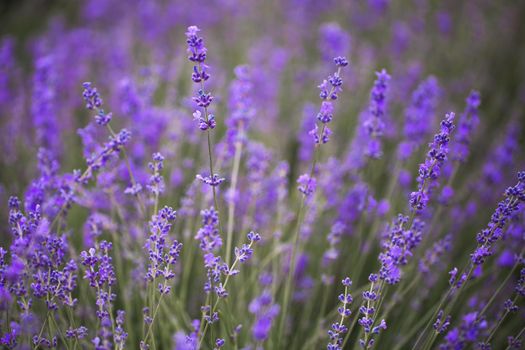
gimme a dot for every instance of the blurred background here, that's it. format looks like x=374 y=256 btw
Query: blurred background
x=134 y=51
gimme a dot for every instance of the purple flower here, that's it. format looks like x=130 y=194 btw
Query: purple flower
x=196 y=50
x=212 y=181
x=398 y=247
x=91 y=96
x=162 y=255
x=208 y=234
x=419 y=117
x=374 y=124
x=241 y=105
x=307 y=184
x=329 y=89
x=466 y=125
x=265 y=311
x=155 y=183
x=44 y=105
x=334 y=41
x=514 y=196
x=338 y=329
x=429 y=171
x=101 y=276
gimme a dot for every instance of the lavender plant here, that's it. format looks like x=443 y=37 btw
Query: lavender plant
x=238 y=213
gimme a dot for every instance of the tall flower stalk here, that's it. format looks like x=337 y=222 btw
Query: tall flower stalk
x=197 y=54
x=307 y=183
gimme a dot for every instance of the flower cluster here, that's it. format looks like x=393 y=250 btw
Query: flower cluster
x=419 y=117
x=265 y=311
x=101 y=155
x=329 y=89
x=468 y=332
x=197 y=54
x=368 y=312
x=514 y=196
x=468 y=121
x=156 y=181
x=52 y=282
x=338 y=328
x=162 y=255
x=429 y=171
x=307 y=184
x=101 y=276
x=241 y=106
x=375 y=123
x=398 y=247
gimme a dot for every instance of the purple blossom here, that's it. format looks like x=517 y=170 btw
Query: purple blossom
x=419 y=117
x=101 y=276
x=514 y=196
x=430 y=170
x=468 y=121
x=241 y=105
x=162 y=255
x=334 y=41
x=44 y=104
x=338 y=329
x=307 y=184
x=265 y=311
x=329 y=89
x=374 y=124
x=212 y=181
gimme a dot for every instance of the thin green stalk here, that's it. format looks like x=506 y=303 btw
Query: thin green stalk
x=42 y=330
x=414 y=329
x=60 y=333
x=493 y=297
x=449 y=307
x=150 y=327
x=300 y=218
x=231 y=207
x=500 y=321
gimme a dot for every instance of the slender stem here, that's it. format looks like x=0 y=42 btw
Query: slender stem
x=42 y=329
x=300 y=218
x=491 y=300
x=500 y=321
x=449 y=307
x=59 y=332
x=413 y=330
x=231 y=208
x=150 y=327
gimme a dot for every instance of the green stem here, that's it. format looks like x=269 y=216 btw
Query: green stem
x=501 y=285
x=300 y=218
x=231 y=208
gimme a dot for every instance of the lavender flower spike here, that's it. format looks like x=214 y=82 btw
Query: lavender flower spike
x=429 y=171
x=329 y=89
x=374 y=124
x=514 y=196
x=338 y=328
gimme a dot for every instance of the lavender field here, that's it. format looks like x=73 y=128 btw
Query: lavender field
x=295 y=174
